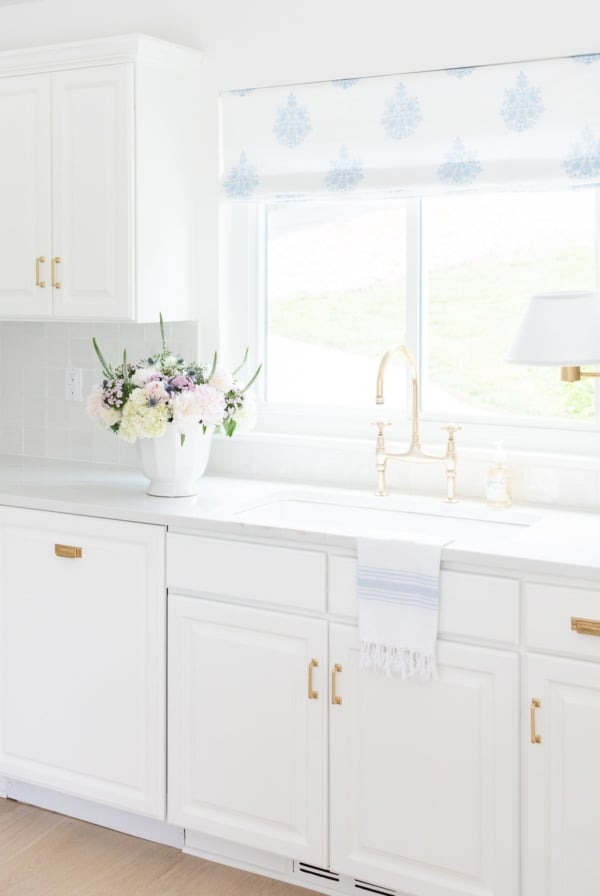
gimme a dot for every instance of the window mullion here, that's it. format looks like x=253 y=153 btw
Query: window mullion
x=414 y=285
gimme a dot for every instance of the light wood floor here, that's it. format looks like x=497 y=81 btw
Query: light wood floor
x=44 y=854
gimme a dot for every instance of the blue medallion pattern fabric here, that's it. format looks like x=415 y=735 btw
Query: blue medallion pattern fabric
x=587 y=59
x=526 y=126
x=460 y=167
x=402 y=114
x=292 y=123
x=522 y=105
x=242 y=180
x=583 y=163
x=460 y=72
x=345 y=83
x=345 y=174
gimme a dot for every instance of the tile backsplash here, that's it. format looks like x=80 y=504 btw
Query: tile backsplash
x=36 y=420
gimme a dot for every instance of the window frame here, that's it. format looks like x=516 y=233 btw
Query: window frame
x=243 y=322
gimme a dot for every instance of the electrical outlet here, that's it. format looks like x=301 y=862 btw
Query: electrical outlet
x=73 y=384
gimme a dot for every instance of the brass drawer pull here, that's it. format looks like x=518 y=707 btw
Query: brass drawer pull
x=40 y=260
x=68 y=551
x=535 y=737
x=585 y=626
x=335 y=699
x=312 y=694
x=56 y=283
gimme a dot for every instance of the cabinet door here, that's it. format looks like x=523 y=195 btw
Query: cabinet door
x=25 y=217
x=93 y=192
x=424 y=795
x=246 y=743
x=82 y=658
x=562 y=786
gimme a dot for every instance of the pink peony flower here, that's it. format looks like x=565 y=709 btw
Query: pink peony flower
x=182 y=382
x=211 y=402
x=221 y=379
x=155 y=390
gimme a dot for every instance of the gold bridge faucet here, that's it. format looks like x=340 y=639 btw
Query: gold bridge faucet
x=414 y=452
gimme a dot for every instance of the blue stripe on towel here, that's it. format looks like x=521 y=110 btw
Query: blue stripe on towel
x=406 y=599
x=405 y=588
x=366 y=582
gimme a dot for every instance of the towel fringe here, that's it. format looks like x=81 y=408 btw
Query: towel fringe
x=404 y=662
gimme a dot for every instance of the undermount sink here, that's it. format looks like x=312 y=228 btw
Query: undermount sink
x=323 y=515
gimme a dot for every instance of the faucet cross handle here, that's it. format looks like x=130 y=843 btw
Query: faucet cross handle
x=451 y=429
x=381 y=425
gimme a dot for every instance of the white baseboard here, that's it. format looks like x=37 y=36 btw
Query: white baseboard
x=105 y=816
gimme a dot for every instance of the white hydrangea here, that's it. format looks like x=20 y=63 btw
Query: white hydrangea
x=141 y=420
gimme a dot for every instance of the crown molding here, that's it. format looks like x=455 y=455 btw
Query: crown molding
x=99 y=51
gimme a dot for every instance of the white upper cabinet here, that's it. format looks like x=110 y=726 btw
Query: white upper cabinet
x=99 y=181
x=25 y=197
x=92 y=151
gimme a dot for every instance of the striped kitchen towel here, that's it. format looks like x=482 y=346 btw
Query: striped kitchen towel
x=398 y=604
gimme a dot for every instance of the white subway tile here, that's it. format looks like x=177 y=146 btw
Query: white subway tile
x=34 y=441
x=58 y=442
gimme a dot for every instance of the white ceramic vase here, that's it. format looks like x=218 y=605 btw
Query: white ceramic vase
x=174 y=470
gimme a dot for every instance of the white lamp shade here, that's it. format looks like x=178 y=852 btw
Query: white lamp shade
x=559 y=328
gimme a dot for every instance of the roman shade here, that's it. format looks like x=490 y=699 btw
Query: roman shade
x=534 y=125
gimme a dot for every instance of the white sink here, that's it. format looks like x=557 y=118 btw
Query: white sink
x=322 y=515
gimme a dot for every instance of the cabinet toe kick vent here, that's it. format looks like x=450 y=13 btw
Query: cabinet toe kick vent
x=318 y=872
x=347 y=884
x=374 y=888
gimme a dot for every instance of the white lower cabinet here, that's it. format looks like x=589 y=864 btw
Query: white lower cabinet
x=82 y=657
x=562 y=784
x=410 y=786
x=424 y=777
x=247 y=744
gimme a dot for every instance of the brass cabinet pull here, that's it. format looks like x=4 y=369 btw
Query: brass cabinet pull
x=312 y=694
x=535 y=737
x=585 y=626
x=40 y=260
x=68 y=551
x=335 y=699
x=56 y=283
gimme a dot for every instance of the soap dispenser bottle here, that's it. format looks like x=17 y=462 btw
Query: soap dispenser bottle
x=498 y=487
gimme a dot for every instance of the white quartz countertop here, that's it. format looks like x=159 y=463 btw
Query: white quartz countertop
x=564 y=543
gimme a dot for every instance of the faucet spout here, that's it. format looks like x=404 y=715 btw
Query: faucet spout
x=415 y=442
x=414 y=452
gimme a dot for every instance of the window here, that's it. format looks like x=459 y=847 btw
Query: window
x=335 y=298
x=450 y=276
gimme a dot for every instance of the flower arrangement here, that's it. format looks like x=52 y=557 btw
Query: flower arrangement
x=137 y=401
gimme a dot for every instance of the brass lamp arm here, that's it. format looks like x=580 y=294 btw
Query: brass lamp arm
x=574 y=374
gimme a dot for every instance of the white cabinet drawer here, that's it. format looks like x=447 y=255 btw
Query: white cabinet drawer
x=284 y=577
x=549 y=611
x=471 y=606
